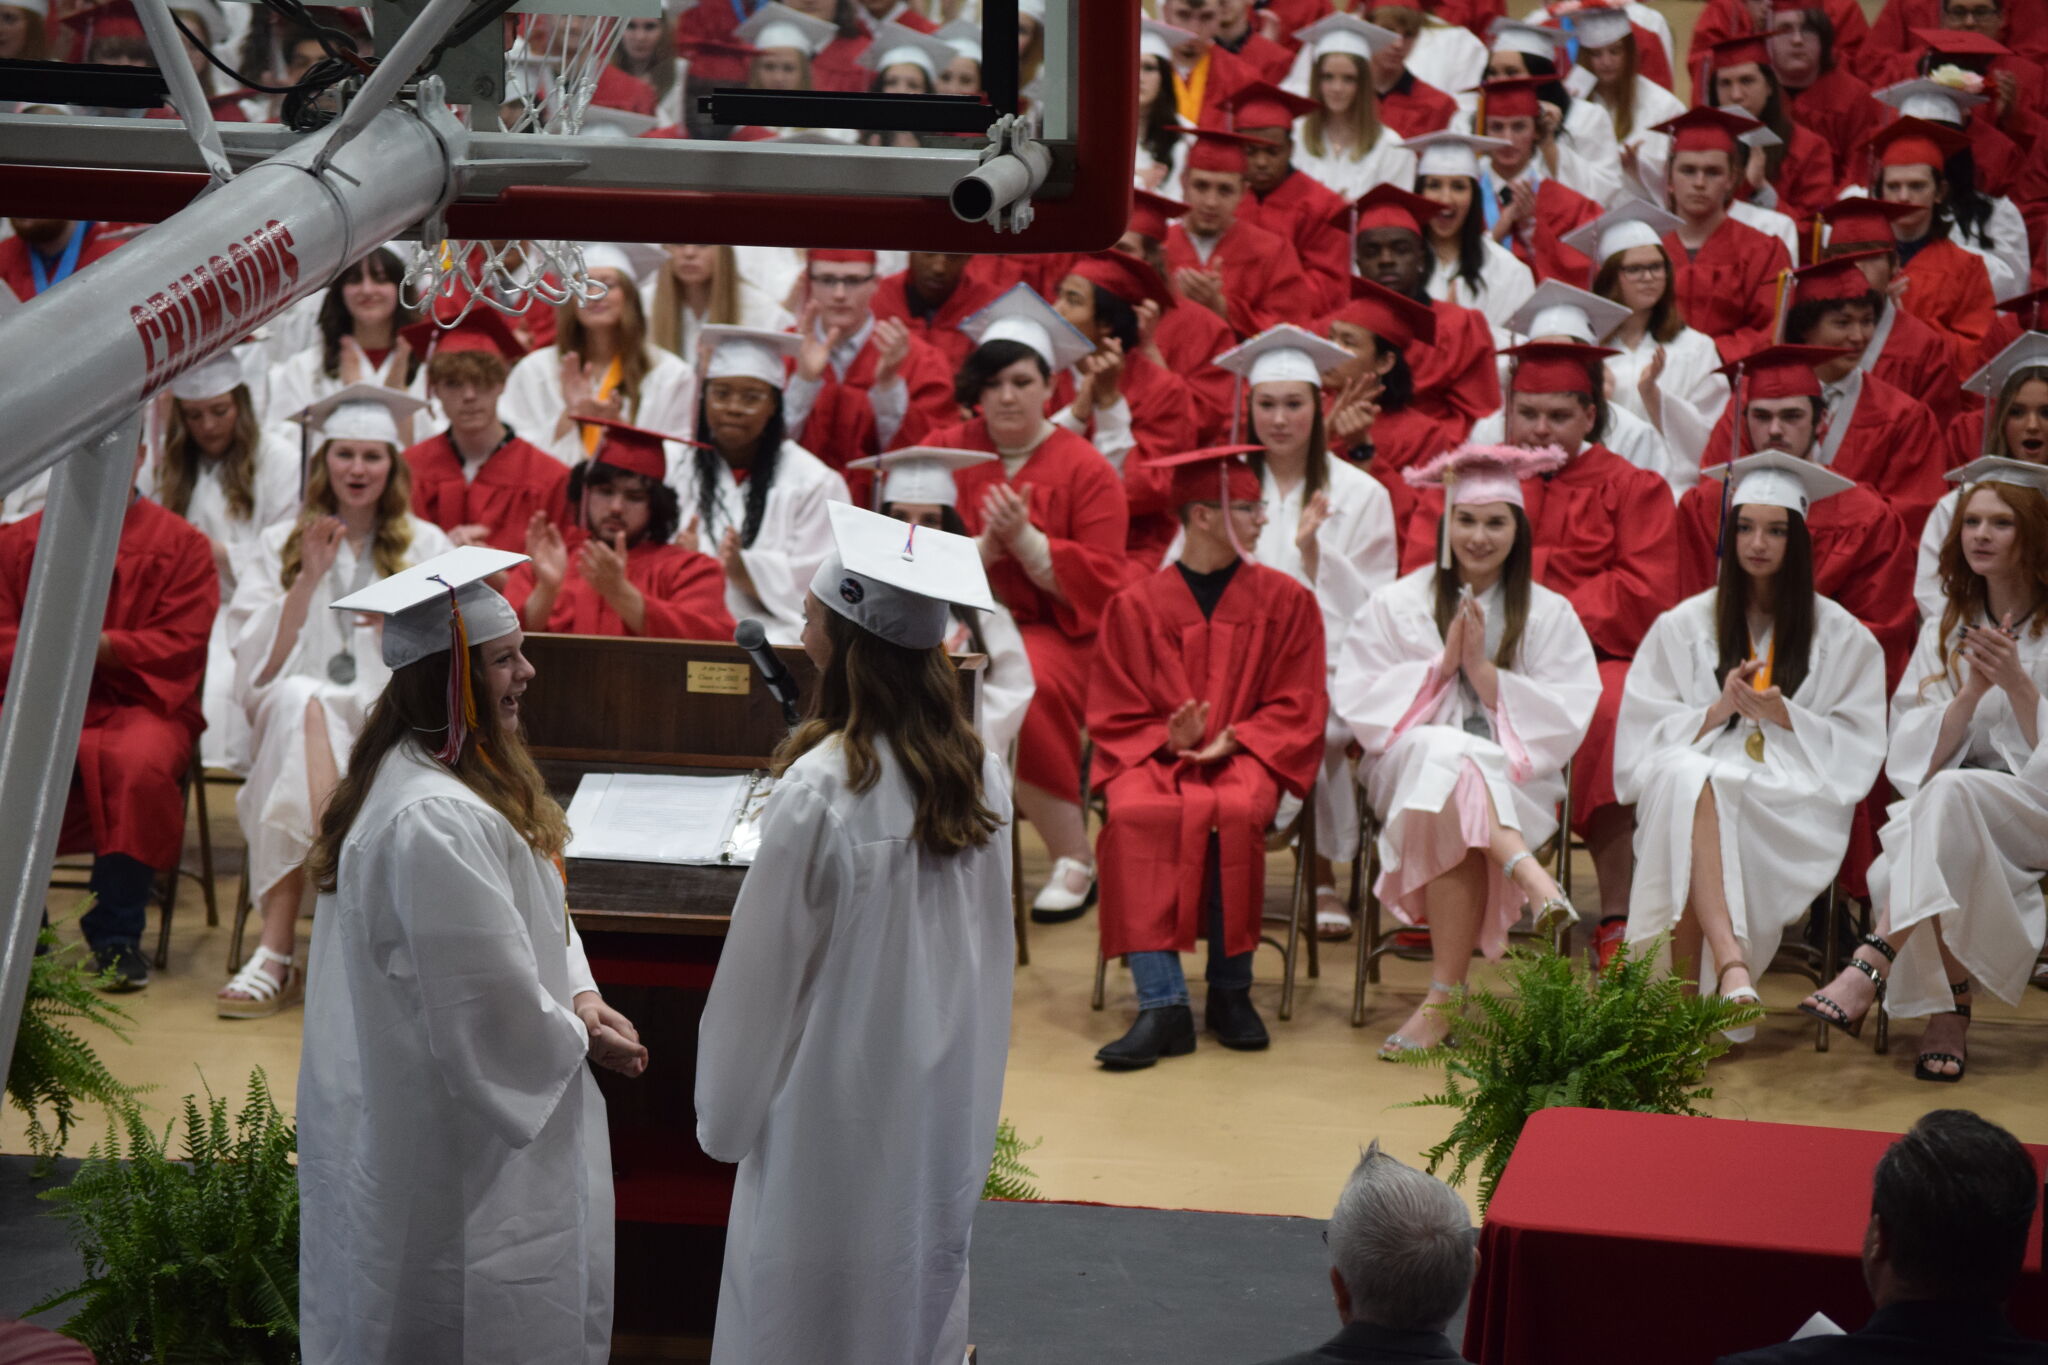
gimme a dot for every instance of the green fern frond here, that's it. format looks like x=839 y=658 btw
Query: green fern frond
x=55 y=1071
x=1008 y=1176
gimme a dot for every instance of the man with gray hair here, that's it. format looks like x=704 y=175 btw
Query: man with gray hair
x=1402 y=1257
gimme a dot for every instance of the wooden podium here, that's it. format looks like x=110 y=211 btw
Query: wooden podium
x=653 y=934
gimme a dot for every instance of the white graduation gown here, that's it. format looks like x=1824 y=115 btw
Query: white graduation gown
x=1927 y=590
x=1588 y=159
x=1411 y=727
x=1785 y=820
x=275 y=489
x=274 y=804
x=1387 y=162
x=850 y=1059
x=1690 y=393
x=533 y=401
x=794 y=539
x=298 y=381
x=1505 y=284
x=455 y=1183
x=756 y=309
x=1007 y=685
x=1967 y=846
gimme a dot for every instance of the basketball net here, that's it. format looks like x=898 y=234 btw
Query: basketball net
x=551 y=72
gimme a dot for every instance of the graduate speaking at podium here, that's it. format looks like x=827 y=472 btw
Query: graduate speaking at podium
x=454 y=1168
x=850 y=1057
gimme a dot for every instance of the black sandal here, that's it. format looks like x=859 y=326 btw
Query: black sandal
x=1920 y=1068
x=1831 y=1013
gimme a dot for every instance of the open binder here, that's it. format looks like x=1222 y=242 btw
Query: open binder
x=668 y=818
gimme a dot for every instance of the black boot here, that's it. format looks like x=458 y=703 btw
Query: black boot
x=1165 y=1032
x=1230 y=1016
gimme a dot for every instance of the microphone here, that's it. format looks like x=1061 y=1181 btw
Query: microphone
x=781 y=686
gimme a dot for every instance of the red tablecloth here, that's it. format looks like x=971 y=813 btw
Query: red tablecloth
x=1640 y=1237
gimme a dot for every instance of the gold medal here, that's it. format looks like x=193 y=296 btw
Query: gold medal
x=1754 y=745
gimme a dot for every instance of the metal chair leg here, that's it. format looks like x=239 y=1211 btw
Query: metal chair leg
x=167 y=897
x=241 y=918
x=198 y=781
x=1362 y=868
x=1290 y=956
x=1830 y=934
x=1101 y=971
x=1306 y=835
x=1019 y=912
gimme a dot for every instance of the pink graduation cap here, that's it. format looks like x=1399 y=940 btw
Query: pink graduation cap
x=1480 y=473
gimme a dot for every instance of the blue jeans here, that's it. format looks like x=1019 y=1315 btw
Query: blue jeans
x=121 y=887
x=1158 y=975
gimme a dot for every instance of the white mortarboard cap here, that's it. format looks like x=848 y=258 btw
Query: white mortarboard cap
x=1760 y=135
x=1637 y=222
x=897 y=580
x=1157 y=38
x=217 y=376
x=895 y=45
x=1032 y=9
x=1021 y=315
x=609 y=256
x=414 y=603
x=746 y=353
x=963 y=37
x=1931 y=100
x=1772 y=478
x=2029 y=352
x=1283 y=354
x=921 y=474
x=1512 y=35
x=601 y=120
x=1449 y=153
x=1345 y=33
x=39 y=8
x=776 y=25
x=1998 y=469
x=360 y=412
x=1558 y=309
x=1600 y=25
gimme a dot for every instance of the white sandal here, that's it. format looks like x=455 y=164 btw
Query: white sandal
x=262 y=994
x=1333 y=917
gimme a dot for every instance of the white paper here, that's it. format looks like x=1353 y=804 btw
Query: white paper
x=659 y=818
x=1819 y=1325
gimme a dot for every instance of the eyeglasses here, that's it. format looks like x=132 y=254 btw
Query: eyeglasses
x=1973 y=13
x=1649 y=270
x=827 y=284
x=743 y=399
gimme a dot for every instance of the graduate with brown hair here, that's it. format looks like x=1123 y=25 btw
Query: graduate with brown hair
x=1207 y=699
x=1902 y=350
x=479 y=481
x=621 y=569
x=1540 y=209
x=1245 y=274
x=1725 y=269
x=1947 y=287
x=142 y=716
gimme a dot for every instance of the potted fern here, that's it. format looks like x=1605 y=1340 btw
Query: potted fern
x=54 y=1070
x=1008 y=1176
x=193 y=1256
x=1559 y=1034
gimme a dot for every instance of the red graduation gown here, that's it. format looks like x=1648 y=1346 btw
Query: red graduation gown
x=142 y=712
x=1457 y=380
x=1189 y=338
x=684 y=590
x=1078 y=502
x=1301 y=209
x=1728 y=288
x=1724 y=19
x=1806 y=178
x=1949 y=289
x=1163 y=423
x=1412 y=107
x=1263 y=282
x=518 y=480
x=1839 y=109
x=1892 y=446
x=1560 y=209
x=841 y=424
x=1891 y=37
x=1862 y=558
x=617 y=89
x=19 y=275
x=1400 y=439
x=1918 y=361
x=979 y=286
x=1268 y=59
x=1605 y=537
x=1259 y=663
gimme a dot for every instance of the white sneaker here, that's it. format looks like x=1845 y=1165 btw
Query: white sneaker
x=1055 y=903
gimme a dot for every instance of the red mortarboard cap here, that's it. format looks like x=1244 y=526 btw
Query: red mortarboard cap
x=1196 y=474
x=1781 y=371
x=1961 y=42
x=1264 y=105
x=485 y=329
x=2029 y=308
x=1558 y=367
x=1707 y=130
x=1127 y=277
x=1212 y=149
x=1909 y=141
x=841 y=256
x=1150 y=213
x=1837 y=279
x=1856 y=220
x=1513 y=97
x=631 y=448
x=1748 y=47
x=1390 y=206
x=1394 y=317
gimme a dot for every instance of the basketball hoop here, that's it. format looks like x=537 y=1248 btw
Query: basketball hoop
x=551 y=72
